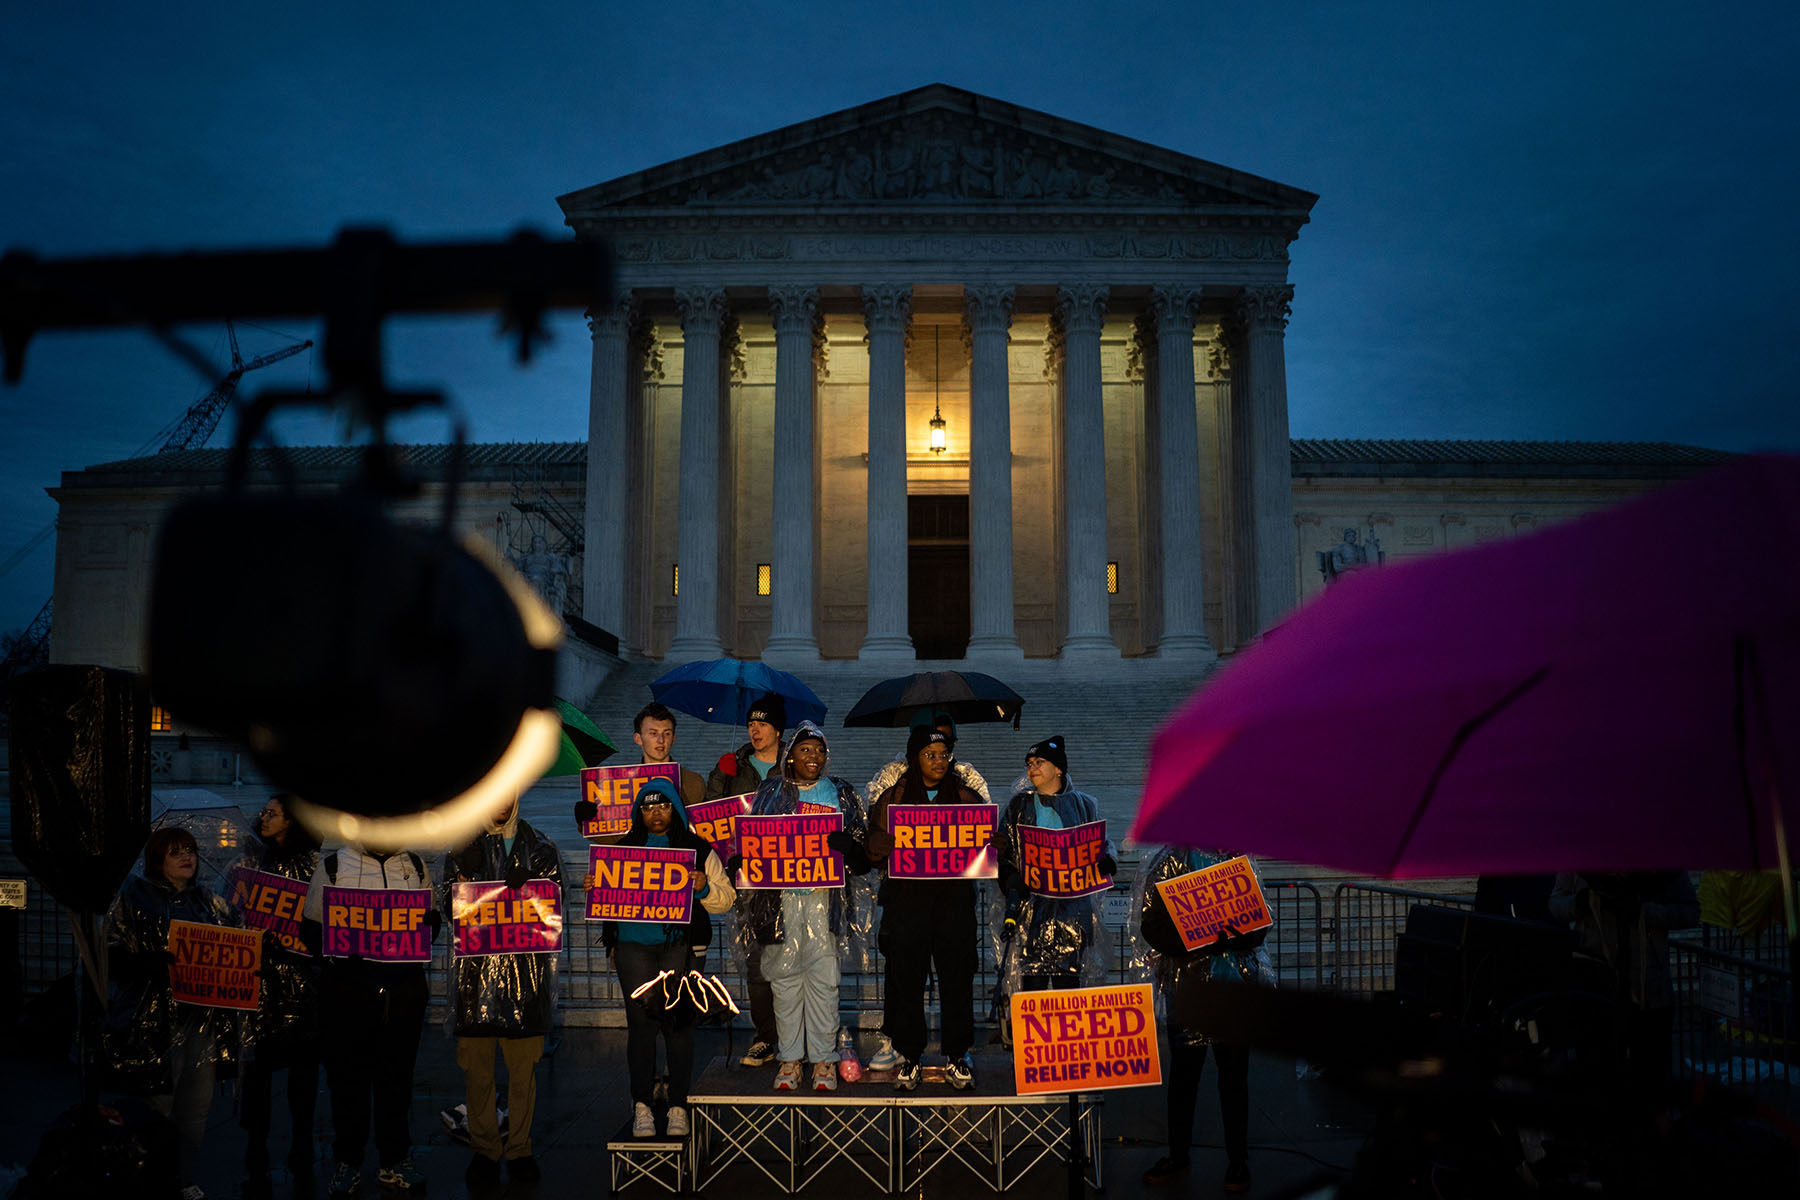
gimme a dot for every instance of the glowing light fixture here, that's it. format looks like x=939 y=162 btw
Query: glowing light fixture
x=938 y=438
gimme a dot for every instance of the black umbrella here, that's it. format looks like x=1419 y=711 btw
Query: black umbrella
x=968 y=696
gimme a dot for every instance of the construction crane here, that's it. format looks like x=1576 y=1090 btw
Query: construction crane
x=198 y=423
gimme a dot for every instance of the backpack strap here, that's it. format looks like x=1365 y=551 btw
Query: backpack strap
x=331 y=867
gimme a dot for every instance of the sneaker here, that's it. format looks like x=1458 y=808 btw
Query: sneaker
x=759 y=1054
x=643 y=1121
x=482 y=1171
x=1237 y=1177
x=345 y=1180
x=524 y=1169
x=1163 y=1170
x=906 y=1076
x=192 y=1192
x=825 y=1077
x=402 y=1177
x=960 y=1074
x=678 y=1125
x=885 y=1058
x=787 y=1079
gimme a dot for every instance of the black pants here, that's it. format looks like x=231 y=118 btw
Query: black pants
x=1186 y=1062
x=637 y=965
x=370 y=1015
x=927 y=924
x=762 y=998
x=255 y=1085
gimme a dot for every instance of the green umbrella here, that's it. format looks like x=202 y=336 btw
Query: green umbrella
x=583 y=745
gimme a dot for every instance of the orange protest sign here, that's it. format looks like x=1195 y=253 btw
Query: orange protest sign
x=1085 y=1040
x=215 y=966
x=1204 y=902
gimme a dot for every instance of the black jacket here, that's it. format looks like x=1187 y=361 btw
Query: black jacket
x=289 y=1014
x=503 y=995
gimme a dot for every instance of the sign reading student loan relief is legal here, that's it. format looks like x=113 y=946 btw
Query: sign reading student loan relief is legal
x=613 y=790
x=716 y=821
x=641 y=883
x=1204 y=902
x=789 y=851
x=1063 y=864
x=488 y=917
x=1085 y=1039
x=379 y=924
x=215 y=966
x=943 y=841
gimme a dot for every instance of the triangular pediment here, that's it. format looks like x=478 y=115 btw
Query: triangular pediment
x=943 y=146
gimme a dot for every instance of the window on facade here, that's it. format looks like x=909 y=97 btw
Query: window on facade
x=1112 y=578
x=160 y=720
x=762 y=579
x=674 y=579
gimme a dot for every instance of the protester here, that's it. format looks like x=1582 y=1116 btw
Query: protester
x=798 y=933
x=739 y=773
x=640 y=951
x=1047 y=943
x=1228 y=960
x=502 y=1003
x=370 y=1017
x=286 y=1023
x=154 y=1044
x=927 y=923
x=653 y=729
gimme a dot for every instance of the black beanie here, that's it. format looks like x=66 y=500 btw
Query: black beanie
x=771 y=709
x=920 y=738
x=1051 y=751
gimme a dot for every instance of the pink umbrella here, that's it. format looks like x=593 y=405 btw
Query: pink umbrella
x=1620 y=692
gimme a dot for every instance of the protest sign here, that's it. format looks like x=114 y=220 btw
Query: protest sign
x=1085 y=1040
x=379 y=924
x=487 y=917
x=716 y=821
x=789 y=851
x=641 y=883
x=1063 y=864
x=942 y=841
x=269 y=901
x=215 y=966
x=1204 y=902
x=613 y=790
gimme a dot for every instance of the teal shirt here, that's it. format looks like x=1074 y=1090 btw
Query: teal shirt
x=1043 y=815
x=762 y=768
x=645 y=933
x=823 y=792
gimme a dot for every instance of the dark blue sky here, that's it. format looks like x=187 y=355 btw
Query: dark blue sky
x=1536 y=220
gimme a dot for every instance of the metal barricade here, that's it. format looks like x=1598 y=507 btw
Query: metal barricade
x=1365 y=921
x=1735 y=1020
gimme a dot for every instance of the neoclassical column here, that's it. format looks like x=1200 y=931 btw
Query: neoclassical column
x=1083 y=311
x=1263 y=314
x=887 y=309
x=697 y=528
x=604 y=573
x=1178 y=445
x=987 y=308
x=796 y=313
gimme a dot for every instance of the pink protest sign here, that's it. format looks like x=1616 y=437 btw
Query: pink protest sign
x=641 y=883
x=1063 y=864
x=942 y=841
x=379 y=924
x=271 y=902
x=490 y=918
x=613 y=790
x=716 y=821
x=790 y=851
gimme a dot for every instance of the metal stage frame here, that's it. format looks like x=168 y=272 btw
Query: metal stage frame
x=895 y=1140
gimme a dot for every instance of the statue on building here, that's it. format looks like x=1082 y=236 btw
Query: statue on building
x=548 y=573
x=1348 y=555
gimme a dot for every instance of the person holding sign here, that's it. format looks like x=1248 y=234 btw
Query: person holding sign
x=372 y=998
x=799 y=932
x=156 y=1045
x=502 y=1003
x=1229 y=958
x=641 y=950
x=740 y=773
x=287 y=1021
x=926 y=922
x=1052 y=886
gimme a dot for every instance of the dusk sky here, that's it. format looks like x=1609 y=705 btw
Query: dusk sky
x=1545 y=221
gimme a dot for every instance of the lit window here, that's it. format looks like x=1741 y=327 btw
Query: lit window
x=674 y=579
x=1112 y=578
x=160 y=720
x=762 y=579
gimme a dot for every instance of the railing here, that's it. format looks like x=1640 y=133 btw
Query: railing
x=1735 y=1018
x=1365 y=918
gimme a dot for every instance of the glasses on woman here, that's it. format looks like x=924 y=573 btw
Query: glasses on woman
x=647 y=805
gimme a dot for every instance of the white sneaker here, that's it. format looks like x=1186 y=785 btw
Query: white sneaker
x=643 y=1121
x=678 y=1126
x=824 y=1077
x=787 y=1078
x=885 y=1058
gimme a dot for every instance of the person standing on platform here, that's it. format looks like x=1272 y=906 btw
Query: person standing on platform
x=1048 y=943
x=798 y=933
x=370 y=1017
x=927 y=923
x=737 y=774
x=1229 y=961
x=640 y=951
x=287 y=1021
x=502 y=1003
x=653 y=729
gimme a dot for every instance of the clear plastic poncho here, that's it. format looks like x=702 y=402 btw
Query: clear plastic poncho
x=1065 y=940
x=502 y=995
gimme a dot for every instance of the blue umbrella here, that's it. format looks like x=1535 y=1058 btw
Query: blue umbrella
x=721 y=690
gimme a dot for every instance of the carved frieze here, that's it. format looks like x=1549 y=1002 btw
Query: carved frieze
x=687 y=248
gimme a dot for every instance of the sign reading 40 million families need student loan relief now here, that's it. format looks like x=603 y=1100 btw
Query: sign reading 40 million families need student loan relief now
x=1085 y=1039
x=1204 y=902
